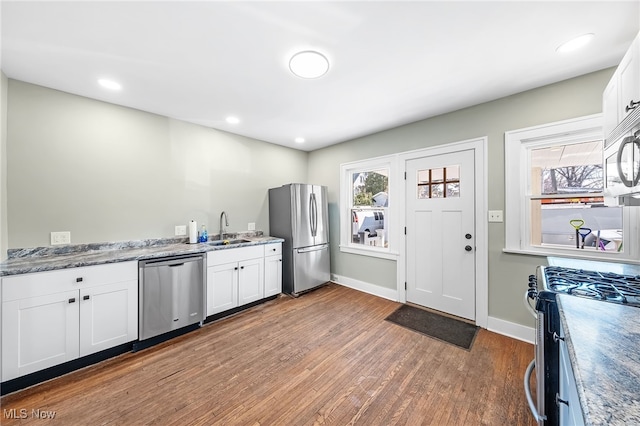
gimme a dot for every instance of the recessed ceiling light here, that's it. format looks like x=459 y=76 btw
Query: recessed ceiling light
x=233 y=120
x=299 y=140
x=309 y=64
x=109 y=84
x=575 y=43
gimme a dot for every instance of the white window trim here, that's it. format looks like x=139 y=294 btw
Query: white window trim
x=386 y=162
x=517 y=143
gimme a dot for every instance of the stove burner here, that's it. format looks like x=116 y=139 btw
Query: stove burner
x=616 y=288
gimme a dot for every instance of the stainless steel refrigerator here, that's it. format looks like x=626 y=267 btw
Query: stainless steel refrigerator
x=298 y=213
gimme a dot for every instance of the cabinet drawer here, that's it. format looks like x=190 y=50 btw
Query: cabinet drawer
x=220 y=257
x=272 y=249
x=50 y=282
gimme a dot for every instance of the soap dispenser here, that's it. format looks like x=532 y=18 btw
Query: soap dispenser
x=204 y=237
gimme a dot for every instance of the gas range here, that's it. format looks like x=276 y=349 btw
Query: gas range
x=605 y=286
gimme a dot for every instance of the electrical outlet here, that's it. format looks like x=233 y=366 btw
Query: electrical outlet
x=181 y=230
x=495 y=215
x=251 y=226
x=58 y=238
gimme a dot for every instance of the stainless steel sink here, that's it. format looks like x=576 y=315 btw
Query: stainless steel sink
x=227 y=242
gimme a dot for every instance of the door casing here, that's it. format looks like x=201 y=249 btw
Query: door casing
x=479 y=146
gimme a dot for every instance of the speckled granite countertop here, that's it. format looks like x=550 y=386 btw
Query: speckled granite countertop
x=603 y=340
x=51 y=258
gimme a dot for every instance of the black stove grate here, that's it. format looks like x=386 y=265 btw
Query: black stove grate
x=610 y=287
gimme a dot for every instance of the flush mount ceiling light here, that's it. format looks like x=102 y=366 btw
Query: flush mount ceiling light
x=299 y=140
x=233 y=120
x=109 y=84
x=309 y=64
x=575 y=43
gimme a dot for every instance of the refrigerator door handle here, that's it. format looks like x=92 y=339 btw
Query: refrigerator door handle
x=313 y=209
x=312 y=248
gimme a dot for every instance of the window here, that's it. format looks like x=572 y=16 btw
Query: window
x=366 y=205
x=554 y=183
x=439 y=183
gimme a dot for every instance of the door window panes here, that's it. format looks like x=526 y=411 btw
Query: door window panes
x=441 y=182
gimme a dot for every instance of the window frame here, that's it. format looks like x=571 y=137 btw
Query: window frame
x=518 y=146
x=389 y=163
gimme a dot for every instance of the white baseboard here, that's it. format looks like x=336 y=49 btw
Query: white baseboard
x=376 y=290
x=506 y=328
x=511 y=329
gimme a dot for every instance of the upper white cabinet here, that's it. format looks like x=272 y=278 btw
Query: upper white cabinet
x=622 y=94
x=52 y=317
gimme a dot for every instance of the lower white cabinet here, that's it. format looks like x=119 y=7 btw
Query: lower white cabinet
x=568 y=399
x=52 y=317
x=273 y=270
x=238 y=276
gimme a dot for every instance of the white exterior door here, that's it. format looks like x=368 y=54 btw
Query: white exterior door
x=440 y=220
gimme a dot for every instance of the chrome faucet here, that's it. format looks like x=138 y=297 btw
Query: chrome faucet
x=226 y=221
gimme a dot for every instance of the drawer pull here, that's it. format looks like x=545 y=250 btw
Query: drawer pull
x=87 y=297
x=79 y=279
x=72 y=300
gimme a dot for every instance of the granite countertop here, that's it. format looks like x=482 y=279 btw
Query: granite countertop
x=603 y=340
x=23 y=261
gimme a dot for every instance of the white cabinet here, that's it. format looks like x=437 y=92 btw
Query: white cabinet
x=622 y=95
x=235 y=277
x=273 y=269
x=569 y=402
x=222 y=287
x=52 y=317
x=238 y=276
x=108 y=316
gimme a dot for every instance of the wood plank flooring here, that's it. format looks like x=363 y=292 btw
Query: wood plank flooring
x=327 y=357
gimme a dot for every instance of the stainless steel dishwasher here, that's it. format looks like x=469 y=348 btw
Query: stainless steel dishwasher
x=172 y=294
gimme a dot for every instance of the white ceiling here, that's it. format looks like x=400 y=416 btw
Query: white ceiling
x=392 y=62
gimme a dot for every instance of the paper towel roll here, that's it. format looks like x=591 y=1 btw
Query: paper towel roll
x=193 y=232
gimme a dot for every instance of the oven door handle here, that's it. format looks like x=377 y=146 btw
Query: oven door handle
x=527 y=304
x=527 y=392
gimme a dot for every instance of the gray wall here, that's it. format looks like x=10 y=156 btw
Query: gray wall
x=3 y=167
x=507 y=273
x=109 y=173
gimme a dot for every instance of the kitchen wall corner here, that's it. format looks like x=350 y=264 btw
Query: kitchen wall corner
x=3 y=167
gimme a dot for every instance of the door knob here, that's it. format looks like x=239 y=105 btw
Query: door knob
x=468 y=248
x=468 y=236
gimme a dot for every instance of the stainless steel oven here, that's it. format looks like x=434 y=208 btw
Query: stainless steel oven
x=608 y=282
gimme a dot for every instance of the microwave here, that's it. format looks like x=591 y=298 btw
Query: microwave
x=622 y=169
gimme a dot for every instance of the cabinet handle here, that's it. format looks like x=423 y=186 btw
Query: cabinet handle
x=273 y=249
x=242 y=267
x=86 y=297
x=72 y=300
x=79 y=279
x=236 y=268
x=632 y=105
x=561 y=401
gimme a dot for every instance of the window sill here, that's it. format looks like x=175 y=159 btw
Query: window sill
x=371 y=252
x=576 y=254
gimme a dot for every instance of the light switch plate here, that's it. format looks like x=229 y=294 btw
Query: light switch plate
x=63 y=237
x=251 y=226
x=495 y=215
x=181 y=230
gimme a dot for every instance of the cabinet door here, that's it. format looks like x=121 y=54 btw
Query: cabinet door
x=250 y=281
x=628 y=78
x=222 y=288
x=108 y=316
x=272 y=275
x=610 y=106
x=39 y=332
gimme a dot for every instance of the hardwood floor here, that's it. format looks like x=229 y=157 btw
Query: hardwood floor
x=327 y=357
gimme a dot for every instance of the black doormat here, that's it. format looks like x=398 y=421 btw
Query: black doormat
x=439 y=327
